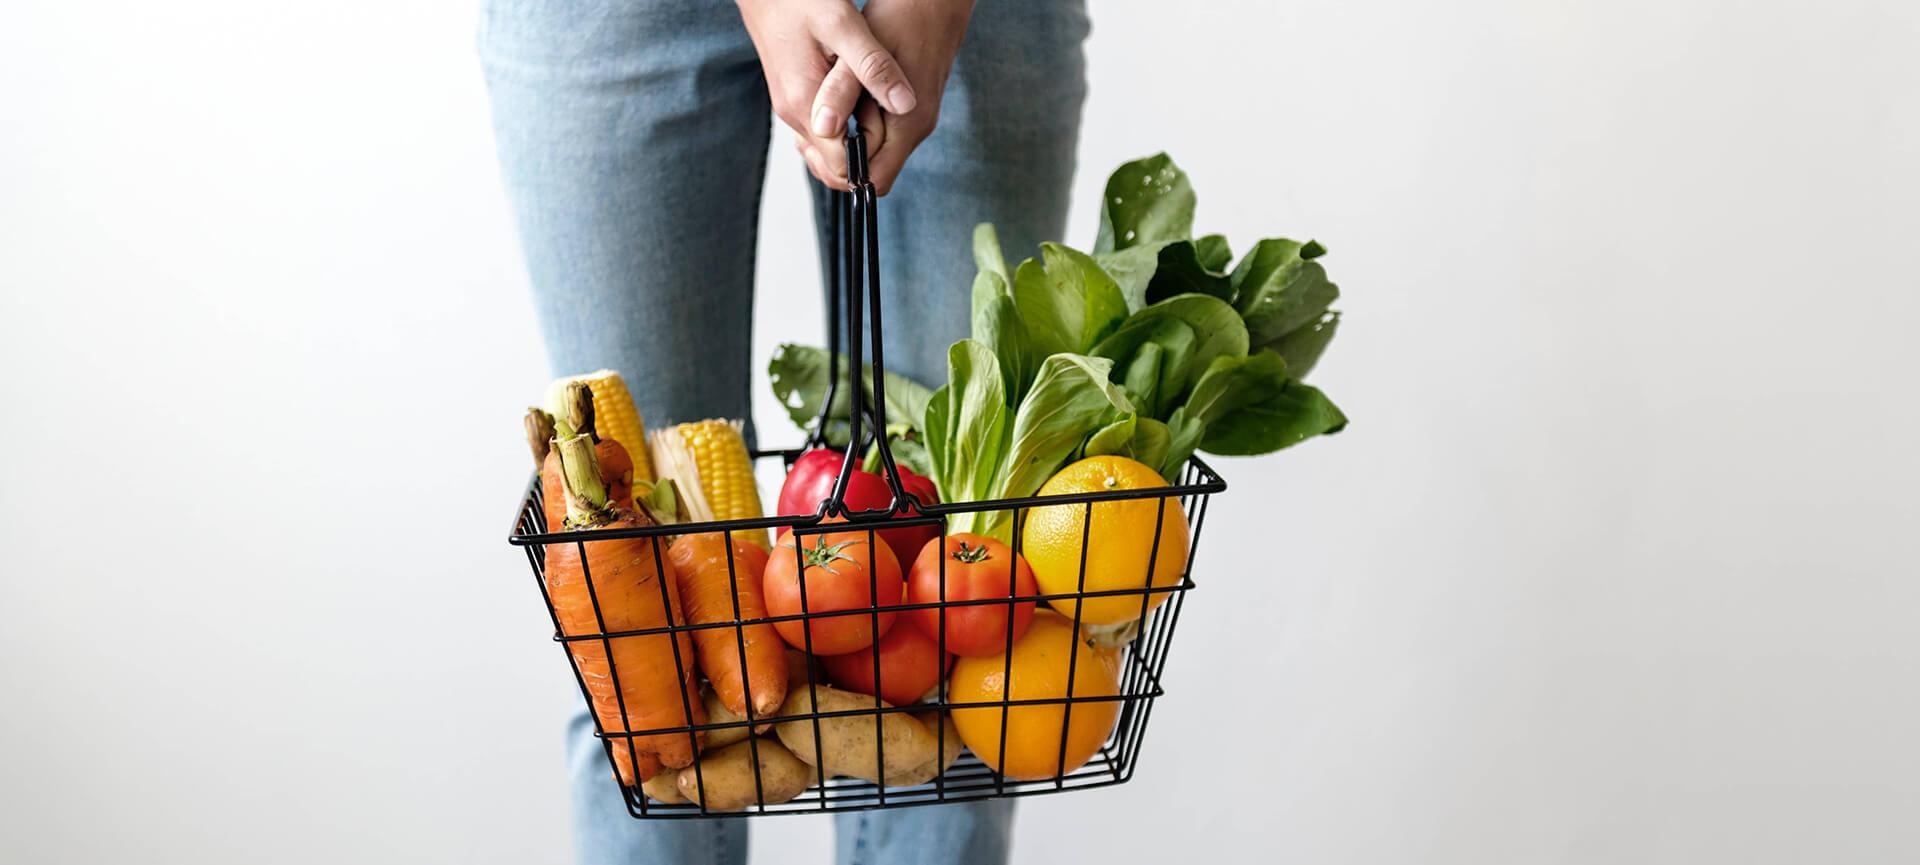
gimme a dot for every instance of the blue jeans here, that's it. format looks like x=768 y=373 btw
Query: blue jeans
x=633 y=137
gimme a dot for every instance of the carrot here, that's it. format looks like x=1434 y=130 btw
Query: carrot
x=709 y=588
x=648 y=682
x=616 y=465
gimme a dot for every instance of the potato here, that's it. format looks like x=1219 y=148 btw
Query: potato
x=664 y=787
x=718 y=713
x=847 y=745
x=727 y=775
x=927 y=772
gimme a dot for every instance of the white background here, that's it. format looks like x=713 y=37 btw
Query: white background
x=1616 y=563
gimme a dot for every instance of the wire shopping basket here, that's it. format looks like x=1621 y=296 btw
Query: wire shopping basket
x=758 y=783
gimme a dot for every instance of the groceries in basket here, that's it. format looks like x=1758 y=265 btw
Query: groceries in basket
x=984 y=566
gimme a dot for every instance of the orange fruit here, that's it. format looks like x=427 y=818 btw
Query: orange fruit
x=1038 y=671
x=1118 y=540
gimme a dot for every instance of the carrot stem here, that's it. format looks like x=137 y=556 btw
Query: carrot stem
x=580 y=475
x=540 y=435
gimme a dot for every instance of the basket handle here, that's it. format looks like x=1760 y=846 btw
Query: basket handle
x=855 y=265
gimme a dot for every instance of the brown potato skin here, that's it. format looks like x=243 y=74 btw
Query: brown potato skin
x=927 y=772
x=847 y=745
x=664 y=787
x=718 y=713
x=727 y=775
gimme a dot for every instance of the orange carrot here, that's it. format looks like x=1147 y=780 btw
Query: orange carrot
x=648 y=683
x=616 y=465
x=708 y=588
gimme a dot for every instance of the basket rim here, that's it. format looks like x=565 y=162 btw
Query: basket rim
x=1208 y=483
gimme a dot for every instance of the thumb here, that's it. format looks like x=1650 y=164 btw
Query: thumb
x=870 y=63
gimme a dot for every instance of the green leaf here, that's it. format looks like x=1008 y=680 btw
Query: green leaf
x=1301 y=347
x=1278 y=287
x=1071 y=399
x=1146 y=200
x=1191 y=330
x=938 y=426
x=1184 y=436
x=1212 y=252
x=1180 y=271
x=1134 y=437
x=997 y=325
x=1153 y=272
x=1066 y=301
x=1296 y=413
x=799 y=377
x=1142 y=377
x=1112 y=438
x=1249 y=407
x=978 y=407
x=1132 y=270
x=987 y=257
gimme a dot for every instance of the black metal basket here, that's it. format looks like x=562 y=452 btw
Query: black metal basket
x=1142 y=658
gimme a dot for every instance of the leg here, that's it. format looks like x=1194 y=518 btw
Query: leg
x=1004 y=153
x=633 y=140
x=963 y=833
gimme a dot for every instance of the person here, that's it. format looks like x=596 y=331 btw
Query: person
x=633 y=138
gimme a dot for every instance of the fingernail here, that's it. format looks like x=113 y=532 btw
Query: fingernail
x=826 y=121
x=902 y=98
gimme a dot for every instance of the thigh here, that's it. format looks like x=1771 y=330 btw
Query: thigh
x=1002 y=153
x=632 y=138
x=962 y=833
x=605 y=834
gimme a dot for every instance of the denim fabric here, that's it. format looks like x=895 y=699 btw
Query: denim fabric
x=633 y=137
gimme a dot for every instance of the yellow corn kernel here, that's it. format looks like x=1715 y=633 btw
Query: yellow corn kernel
x=709 y=464
x=614 y=415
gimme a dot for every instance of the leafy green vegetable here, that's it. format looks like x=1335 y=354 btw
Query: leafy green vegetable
x=987 y=257
x=1154 y=346
x=1070 y=400
x=1279 y=287
x=1249 y=406
x=1213 y=253
x=1187 y=332
x=1134 y=437
x=997 y=324
x=1302 y=346
x=1153 y=272
x=972 y=424
x=1066 y=301
x=799 y=377
x=1146 y=200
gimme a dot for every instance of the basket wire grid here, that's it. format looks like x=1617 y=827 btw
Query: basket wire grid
x=1142 y=658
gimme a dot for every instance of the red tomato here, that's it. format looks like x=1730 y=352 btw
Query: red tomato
x=837 y=579
x=910 y=666
x=811 y=480
x=977 y=568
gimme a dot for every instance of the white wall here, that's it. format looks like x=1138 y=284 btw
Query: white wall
x=1616 y=563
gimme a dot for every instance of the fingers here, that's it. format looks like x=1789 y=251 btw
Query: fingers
x=838 y=95
x=849 y=39
x=902 y=136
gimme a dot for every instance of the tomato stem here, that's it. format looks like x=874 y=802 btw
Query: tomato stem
x=971 y=555
x=823 y=556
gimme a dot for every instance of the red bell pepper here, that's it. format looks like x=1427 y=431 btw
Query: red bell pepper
x=810 y=482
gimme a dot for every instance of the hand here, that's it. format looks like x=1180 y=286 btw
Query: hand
x=799 y=41
x=924 y=35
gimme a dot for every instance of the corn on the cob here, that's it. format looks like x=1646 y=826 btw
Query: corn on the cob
x=614 y=415
x=714 y=475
